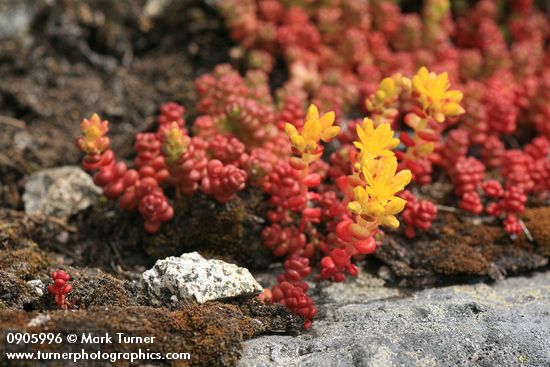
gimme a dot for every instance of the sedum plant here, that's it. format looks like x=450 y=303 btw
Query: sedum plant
x=334 y=184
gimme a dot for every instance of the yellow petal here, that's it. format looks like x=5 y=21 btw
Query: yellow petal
x=368 y=125
x=389 y=166
x=371 y=192
x=383 y=130
x=390 y=221
x=330 y=133
x=442 y=81
x=395 y=205
x=423 y=72
x=367 y=165
x=312 y=130
x=360 y=195
x=416 y=82
x=384 y=135
x=452 y=109
x=388 y=86
x=453 y=96
x=361 y=134
x=312 y=113
x=375 y=208
x=401 y=179
x=387 y=153
x=298 y=142
x=290 y=129
x=327 y=120
x=354 y=207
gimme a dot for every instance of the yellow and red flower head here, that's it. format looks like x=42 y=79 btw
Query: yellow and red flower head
x=315 y=129
x=377 y=198
x=432 y=91
x=94 y=140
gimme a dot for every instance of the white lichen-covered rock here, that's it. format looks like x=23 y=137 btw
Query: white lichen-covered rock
x=39 y=320
x=59 y=192
x=36 y=287
x=192 y=277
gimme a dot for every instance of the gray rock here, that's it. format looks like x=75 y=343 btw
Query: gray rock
x=36 y=287
x=15 y=17
x=154 y=8
x=59 y=192
x=192 y=277
x=366 y=324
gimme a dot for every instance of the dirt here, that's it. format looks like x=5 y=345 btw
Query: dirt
x=231 y=232
x=211 y=332
x=81 y=57
x=111 y=58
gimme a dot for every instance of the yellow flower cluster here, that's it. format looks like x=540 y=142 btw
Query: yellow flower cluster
x=432 y=91
x=435 y=14
x=94 y=139
x=381 y=104
x=387 y=90
x=373 y=141
x=377 y=166
x=377 y=199
x=315 y=129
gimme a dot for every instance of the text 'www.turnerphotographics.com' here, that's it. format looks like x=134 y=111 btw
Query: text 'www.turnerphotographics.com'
x=83 y=346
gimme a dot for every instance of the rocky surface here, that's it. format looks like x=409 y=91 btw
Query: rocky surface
x=192 y=277
x=364 y=323
x=60 y=192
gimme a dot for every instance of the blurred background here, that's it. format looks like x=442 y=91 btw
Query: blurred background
x=61 y=60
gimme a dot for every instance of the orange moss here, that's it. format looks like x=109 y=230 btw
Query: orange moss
x=457 y=246
x=538 y=222
x=26 y=263
x=212 y=332
x=19 y=255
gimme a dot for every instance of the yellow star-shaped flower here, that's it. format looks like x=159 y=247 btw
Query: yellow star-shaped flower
x=377 y=199
x=433 y=92
x=315 y=129
x=377 y=141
